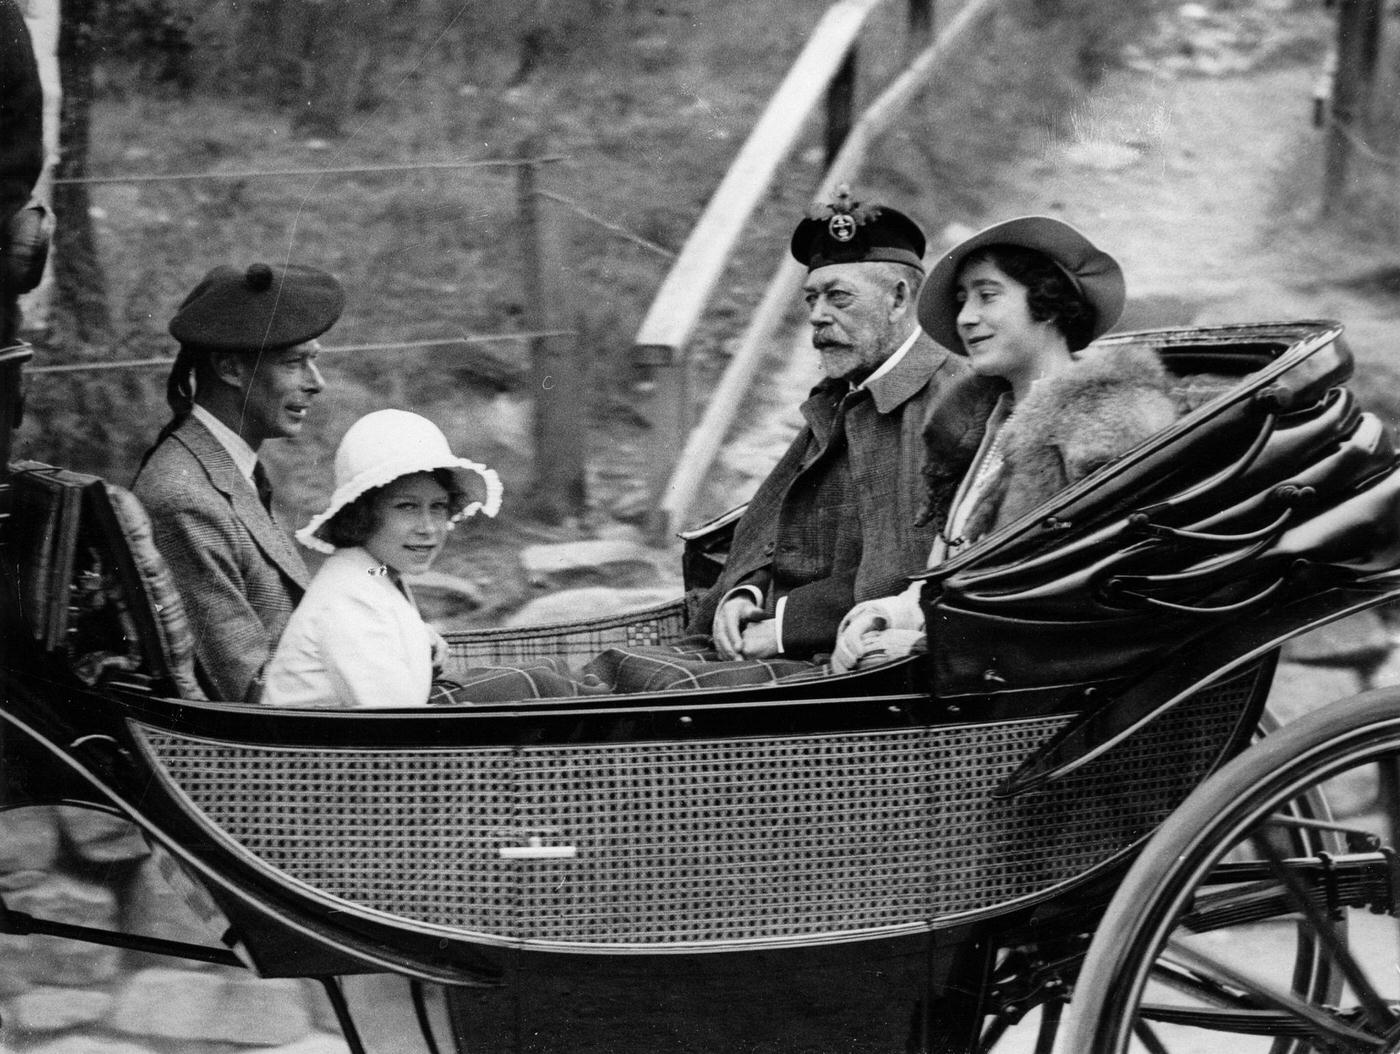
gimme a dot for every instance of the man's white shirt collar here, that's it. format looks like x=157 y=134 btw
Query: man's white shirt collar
x=244 y=456
x=892 y=361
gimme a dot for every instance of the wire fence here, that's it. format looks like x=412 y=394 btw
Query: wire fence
x=466 y=338
x=573 y=206
x=415 y=166
x=281 y=173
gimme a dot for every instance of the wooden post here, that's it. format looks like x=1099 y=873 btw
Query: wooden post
x=840 y=105
x=663 y=383
x=558 y=376
x=919 y=21
x=1358 y=41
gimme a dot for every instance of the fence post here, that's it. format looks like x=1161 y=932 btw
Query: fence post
x=919 y=20
x=663 y=378
x=840 y=105
x=1358 y=41
x=558 y=376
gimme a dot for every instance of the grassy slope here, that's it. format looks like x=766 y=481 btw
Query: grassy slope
x=646 y=110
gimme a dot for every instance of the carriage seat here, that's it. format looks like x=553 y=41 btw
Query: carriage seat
x=94 y=590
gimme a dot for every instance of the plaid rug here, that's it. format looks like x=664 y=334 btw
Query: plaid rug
x=693 y=663
x=541 y=679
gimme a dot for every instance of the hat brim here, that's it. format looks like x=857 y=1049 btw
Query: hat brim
x=1097 y=274
x=470 y=476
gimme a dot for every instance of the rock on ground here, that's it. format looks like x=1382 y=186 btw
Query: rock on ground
x=185 y=1005
x=55 y=1009
x=598 y=561
x=591 y=602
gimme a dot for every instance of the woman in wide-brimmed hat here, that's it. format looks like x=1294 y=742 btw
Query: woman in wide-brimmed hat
x=1022 y=300
x=357 y=640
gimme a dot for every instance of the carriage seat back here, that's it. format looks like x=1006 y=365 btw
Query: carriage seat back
x=94 y=591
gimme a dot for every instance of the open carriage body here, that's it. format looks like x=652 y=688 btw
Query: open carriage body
x=908 y=856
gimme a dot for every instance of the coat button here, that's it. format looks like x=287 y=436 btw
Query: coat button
x=768 y=549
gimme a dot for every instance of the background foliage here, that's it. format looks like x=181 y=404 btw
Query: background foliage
x=644 y=104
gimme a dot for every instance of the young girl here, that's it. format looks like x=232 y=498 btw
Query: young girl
x=356 y=640
x=1020 y=299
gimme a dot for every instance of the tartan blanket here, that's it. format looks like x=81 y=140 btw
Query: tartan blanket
x=541 y=679
x=691 y=663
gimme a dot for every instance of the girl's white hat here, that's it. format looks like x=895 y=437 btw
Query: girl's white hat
x=386 y=444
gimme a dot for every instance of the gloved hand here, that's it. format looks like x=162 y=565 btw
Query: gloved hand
x=869 y=618
x=886 y=645
x=441 y=652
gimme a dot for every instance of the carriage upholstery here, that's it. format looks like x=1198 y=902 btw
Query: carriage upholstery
x=95 y=592
x=576 y=642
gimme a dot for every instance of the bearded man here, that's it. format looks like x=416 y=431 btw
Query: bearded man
x=837 y=520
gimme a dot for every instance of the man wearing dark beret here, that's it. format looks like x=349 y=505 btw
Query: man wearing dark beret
x=837 y=520
x=245 y=373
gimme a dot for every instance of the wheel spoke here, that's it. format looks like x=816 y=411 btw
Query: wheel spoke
x=1216 y=1007
x=1049 y=1024
x=1375 y=1008
x=994 y=1031
x=1148 y=1038
x=1319 y=1022
x=1205 y=989
x=1358 y=839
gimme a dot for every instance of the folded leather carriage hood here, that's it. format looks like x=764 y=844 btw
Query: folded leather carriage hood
x=1278 y=487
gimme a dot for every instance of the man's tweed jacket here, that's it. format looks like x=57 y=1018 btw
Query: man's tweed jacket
x=835 y=522
x=238 y=572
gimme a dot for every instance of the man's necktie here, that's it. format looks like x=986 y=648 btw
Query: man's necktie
x=263 y=486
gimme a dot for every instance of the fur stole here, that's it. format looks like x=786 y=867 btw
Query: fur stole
x=1110 y=399
x=950 y=446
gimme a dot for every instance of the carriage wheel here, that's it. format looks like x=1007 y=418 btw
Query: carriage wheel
x=1037 y=1031
x=1187 y=958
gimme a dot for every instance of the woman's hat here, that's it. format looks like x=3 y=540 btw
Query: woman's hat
x=261 y=309
x=1092 y=271
x=384 y=445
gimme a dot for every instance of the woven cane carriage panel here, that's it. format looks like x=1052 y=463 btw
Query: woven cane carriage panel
x=731 y=840
x=708 y=842
x=987 y=851
x=410 y=833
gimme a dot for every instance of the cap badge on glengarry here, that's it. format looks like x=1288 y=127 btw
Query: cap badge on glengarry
x=844 y=216
x=842 y=227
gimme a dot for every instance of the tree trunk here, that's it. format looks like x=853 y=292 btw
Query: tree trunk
x=81 y=311
x=337 y=62
x=269 y=48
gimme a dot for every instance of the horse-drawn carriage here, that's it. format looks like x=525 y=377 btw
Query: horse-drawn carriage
x=909 y=857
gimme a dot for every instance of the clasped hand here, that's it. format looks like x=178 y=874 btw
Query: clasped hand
x=743 y=630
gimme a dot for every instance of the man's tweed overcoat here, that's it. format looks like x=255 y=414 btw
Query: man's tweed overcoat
x=835 y=521
x=238 y=572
